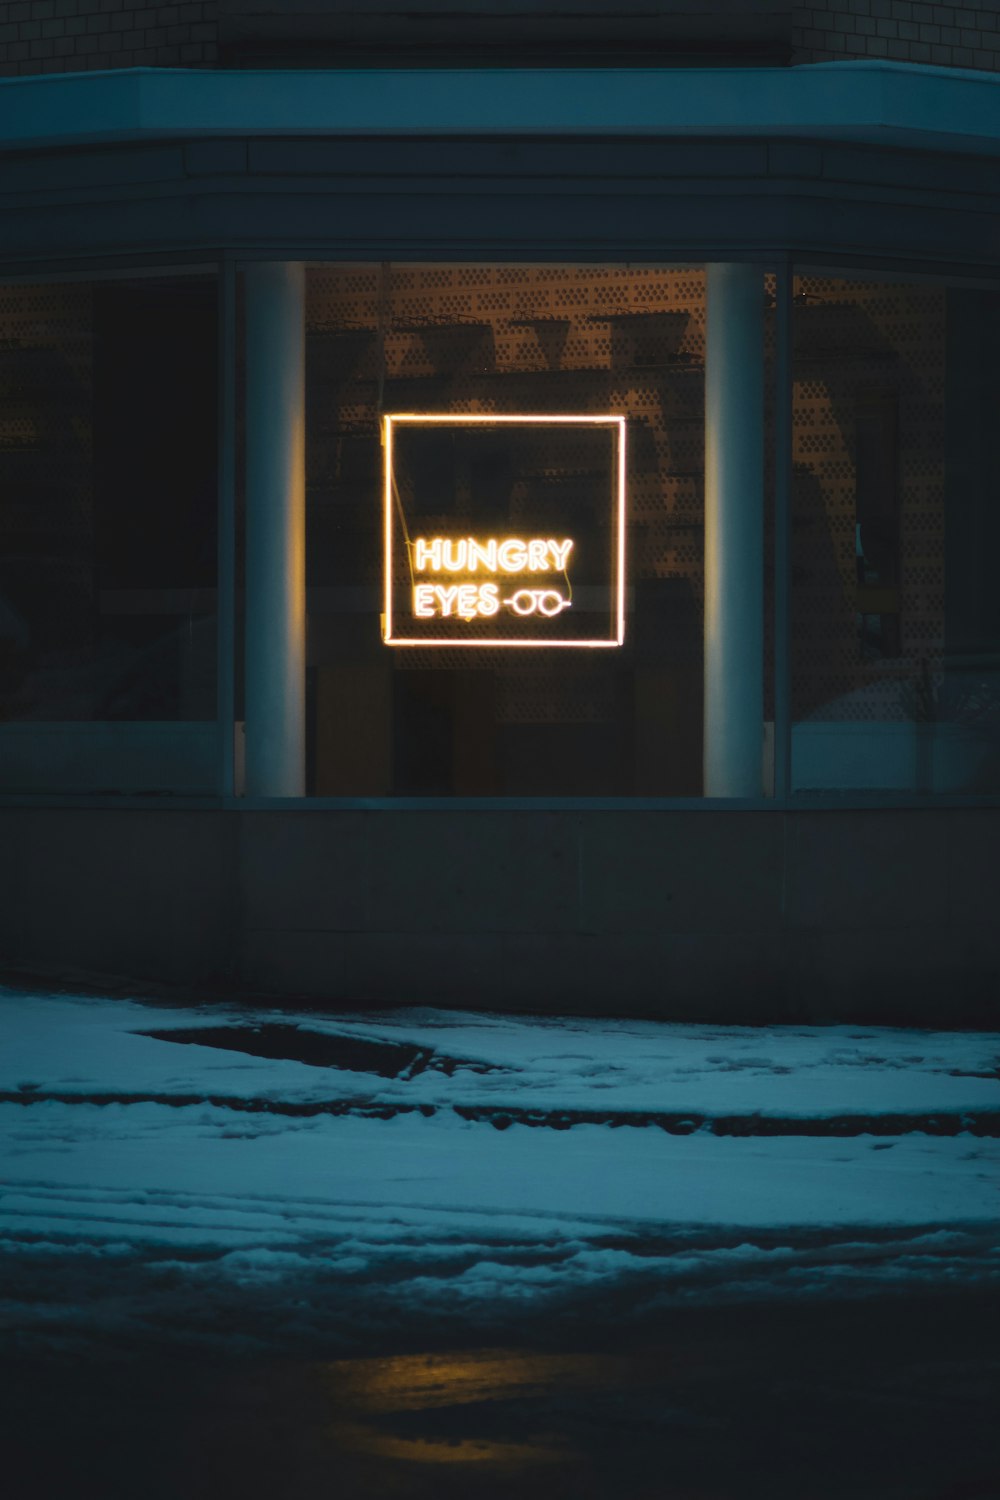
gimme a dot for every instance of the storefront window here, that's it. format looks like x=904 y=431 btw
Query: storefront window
x=895 y=532
x=107 y=531
x=471 y=365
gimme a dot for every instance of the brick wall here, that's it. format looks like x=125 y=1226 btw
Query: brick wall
x=64 y=36
x=72 y=36
x=914 y=31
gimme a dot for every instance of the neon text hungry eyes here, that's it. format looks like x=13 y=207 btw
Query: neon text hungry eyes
x=503 y=556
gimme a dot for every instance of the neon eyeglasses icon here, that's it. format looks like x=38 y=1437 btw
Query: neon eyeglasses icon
x=543 y=601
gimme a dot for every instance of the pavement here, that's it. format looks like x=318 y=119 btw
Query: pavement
x=422 y=1245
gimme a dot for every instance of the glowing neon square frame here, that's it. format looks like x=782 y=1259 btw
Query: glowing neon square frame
x=492 y=419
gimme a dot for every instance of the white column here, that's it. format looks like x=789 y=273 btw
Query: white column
x=734 y=532
x=275 y=530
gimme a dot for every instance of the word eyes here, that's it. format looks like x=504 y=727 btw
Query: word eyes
x=469 y=601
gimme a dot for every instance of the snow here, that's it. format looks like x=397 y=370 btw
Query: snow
x=160 y=1203
x=84 y=1046
x=411 y=1164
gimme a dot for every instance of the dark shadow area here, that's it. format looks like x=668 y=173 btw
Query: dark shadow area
x=594 y=33
x=294 y=1044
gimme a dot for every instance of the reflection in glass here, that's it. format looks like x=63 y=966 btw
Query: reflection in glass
x=896 y=622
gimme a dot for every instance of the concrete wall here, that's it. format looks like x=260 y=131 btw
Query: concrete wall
x=881 y=915
x=335 y=33
x=396 y=198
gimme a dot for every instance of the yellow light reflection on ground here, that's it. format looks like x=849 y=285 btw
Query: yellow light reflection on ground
x=358 y=1437
x=421 y=1380
x=395 y=1408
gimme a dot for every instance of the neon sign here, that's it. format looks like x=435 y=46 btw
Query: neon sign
x=460 y=582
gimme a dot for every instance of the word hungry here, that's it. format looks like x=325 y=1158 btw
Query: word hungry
x=441 y=554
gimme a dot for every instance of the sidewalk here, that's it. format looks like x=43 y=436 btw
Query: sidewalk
x=341 y=1177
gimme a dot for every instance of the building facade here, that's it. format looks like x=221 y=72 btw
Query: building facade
x=502 y=510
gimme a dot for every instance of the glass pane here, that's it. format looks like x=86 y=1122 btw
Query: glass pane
x=107 y=525
x=896 y=617
x=504 y=342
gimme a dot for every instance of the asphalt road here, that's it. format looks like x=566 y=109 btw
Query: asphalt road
x=894 y=1398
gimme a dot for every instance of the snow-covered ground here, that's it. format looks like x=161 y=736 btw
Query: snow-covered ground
x=580 y=1167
